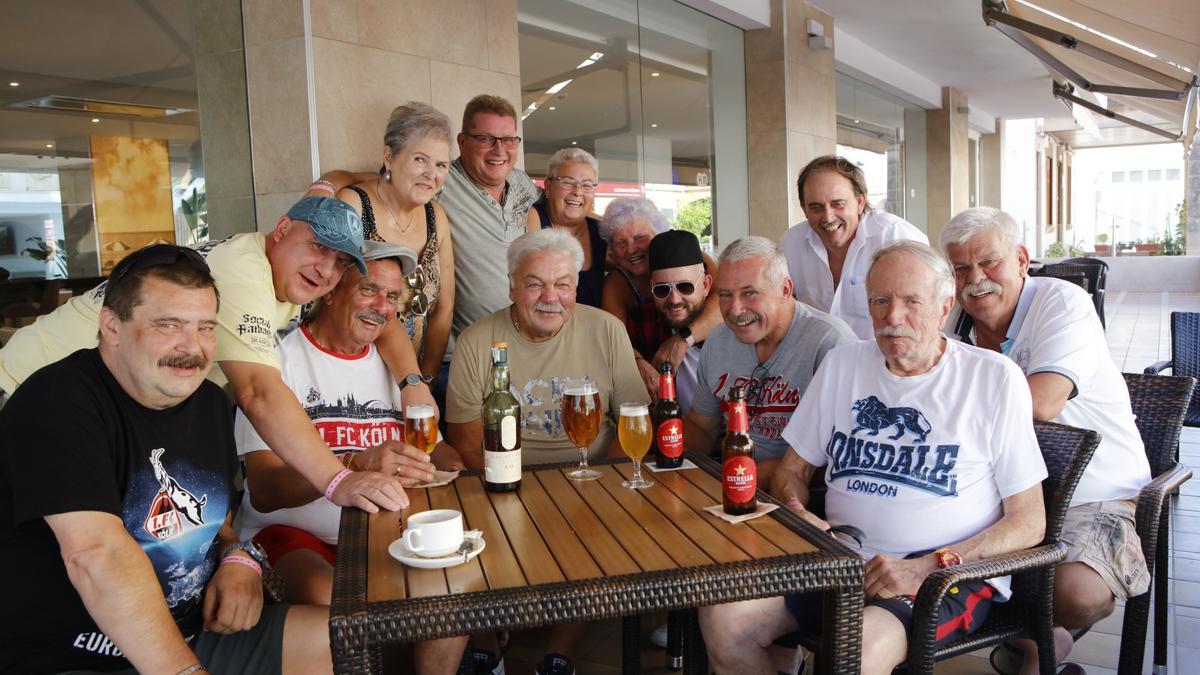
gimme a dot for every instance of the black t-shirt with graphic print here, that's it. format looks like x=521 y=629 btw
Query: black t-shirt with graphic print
x=73 y=440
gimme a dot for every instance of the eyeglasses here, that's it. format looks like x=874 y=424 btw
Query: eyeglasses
x=158 y=254
x=419 y=305
x=758 y=380
x=569 y=184
x=663 y=291
x=488 y=141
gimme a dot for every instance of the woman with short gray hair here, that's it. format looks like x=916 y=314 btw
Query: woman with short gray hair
x=566 y=204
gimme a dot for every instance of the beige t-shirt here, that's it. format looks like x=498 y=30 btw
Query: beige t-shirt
x=592 y=343
x=249 y=320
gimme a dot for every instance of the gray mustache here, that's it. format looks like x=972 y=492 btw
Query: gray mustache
x=895 y=331
x=981 y=287
x=743 y=319
x=371 y=315
x=547 y=307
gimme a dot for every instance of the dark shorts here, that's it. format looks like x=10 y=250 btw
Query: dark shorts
x=962 y=612
x=258 y=650
x=280 y=540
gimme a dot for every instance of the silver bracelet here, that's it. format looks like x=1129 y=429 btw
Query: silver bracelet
x=194 y=668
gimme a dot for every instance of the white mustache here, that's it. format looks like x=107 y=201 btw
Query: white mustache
x=372 y=316
x=547 y=307
x=743 y=319
x=981 y=288
x=895 y=331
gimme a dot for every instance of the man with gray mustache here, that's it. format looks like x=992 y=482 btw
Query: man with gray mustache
x=770 y=344
x=829 y=253
x=1049 y=327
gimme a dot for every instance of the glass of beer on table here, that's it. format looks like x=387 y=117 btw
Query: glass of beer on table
x=420 y=427
x=581 y=417
x=633 y=430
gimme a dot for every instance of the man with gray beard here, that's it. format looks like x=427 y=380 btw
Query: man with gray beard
x=770 y=344
x=333 y=367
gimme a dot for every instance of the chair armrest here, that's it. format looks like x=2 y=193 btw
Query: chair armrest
x=1150 y=501
x=1157 y=368
x=939 y=582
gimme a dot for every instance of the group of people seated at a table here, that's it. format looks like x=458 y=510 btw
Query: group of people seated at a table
x=908 y=376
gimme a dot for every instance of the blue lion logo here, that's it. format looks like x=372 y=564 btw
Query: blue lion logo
x=873 y=414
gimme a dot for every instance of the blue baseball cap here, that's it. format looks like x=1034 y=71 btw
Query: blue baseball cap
x=334 y=223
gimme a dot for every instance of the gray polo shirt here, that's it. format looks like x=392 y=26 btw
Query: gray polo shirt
x=482 y=229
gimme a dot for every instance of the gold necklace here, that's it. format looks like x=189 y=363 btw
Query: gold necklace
x=391 y=212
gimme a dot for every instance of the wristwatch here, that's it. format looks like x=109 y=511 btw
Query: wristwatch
x=252 y=549
x=415 y=378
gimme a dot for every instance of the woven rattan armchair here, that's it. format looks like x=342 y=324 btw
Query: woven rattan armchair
x=1159 y=402
x=1185 y=357
x=1091 y=274
x=1028 y=613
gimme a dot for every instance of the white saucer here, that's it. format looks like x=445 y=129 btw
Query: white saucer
x=400 y=552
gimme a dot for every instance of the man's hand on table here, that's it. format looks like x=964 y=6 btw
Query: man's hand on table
x=885 y=577
x=371 y=491
x=233 y=600
x=447 y=458
x=395 y=458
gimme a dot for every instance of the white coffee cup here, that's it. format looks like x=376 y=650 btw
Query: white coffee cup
x=433 y=534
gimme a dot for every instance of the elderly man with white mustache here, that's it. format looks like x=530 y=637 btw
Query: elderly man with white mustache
x=1050 y=329
x=836 y=242
x=549 y=338
x=927 y=446
x=770 y=344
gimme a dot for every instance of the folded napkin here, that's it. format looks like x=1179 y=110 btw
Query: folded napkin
x=439 y=478
x=719 y=511
x=687 y=464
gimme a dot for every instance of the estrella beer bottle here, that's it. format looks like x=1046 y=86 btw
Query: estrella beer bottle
x=739 y=470
x=668 y=427
x=501 y=429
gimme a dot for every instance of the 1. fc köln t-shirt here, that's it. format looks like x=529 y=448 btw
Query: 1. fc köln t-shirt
x=75 y=441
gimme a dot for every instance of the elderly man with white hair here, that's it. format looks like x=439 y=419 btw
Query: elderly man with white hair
x=956 y=480
x=550 y=339
x=1050 y=329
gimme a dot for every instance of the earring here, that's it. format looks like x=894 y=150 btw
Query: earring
x=388 y=176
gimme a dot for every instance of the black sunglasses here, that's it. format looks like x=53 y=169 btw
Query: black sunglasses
x=156 y=255
x=661 y=291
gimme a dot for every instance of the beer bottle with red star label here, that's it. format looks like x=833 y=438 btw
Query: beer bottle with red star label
x=668 y=436
x=739 y=470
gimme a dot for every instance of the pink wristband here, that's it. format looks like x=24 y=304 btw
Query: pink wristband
x=794 y=501
x=242 y=560
x=341 y=475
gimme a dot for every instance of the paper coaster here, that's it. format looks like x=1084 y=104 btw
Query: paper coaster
x=719 y=511
x=687 y=464
x=440 y=478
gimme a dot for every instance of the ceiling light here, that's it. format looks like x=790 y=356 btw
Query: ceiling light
x=95 y=120
x=856 y=121
x=553 y=108
x=14 y=84
x=49 y=145
x=654 y=74
x=655 y=126
x=558 y=87
x=574 y=142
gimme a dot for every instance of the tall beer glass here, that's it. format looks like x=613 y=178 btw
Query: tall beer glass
x=420 y=428
x=633 y=430
x=581 y=417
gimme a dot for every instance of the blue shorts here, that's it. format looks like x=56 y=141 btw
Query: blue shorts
x=963 y=611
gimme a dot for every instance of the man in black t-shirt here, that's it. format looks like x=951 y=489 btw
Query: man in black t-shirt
x=116 y=489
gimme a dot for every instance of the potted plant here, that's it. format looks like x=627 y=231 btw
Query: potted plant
x=52 y=253
x=1102 y=245
x=1149 y=246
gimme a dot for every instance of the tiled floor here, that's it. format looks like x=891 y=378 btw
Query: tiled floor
x=1139 y=334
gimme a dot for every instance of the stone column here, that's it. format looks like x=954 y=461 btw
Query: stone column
x=1191 y=172
x=946 y=164
x=991 y=167
x=791 y=103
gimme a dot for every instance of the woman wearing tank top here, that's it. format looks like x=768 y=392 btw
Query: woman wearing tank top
x=570 y=192
x=397 y=206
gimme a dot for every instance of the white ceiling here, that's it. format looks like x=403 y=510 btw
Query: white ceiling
x=947 y=42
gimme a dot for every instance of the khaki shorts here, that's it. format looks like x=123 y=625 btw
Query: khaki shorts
x=1102 y=535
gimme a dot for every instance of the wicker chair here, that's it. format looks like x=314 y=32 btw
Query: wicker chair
x=1159 y=402
x=1028 y=613
x=1091 y=274
x=1185 y=357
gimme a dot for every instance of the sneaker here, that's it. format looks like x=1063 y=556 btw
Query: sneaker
x=478 y=661
x=555 y=664
x=658 y=637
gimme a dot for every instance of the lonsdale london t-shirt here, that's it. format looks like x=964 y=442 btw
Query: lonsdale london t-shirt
x=250 y=320
x=918 y=462
x=75 y=441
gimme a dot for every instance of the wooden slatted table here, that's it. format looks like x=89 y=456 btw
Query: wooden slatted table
x=559 y=552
